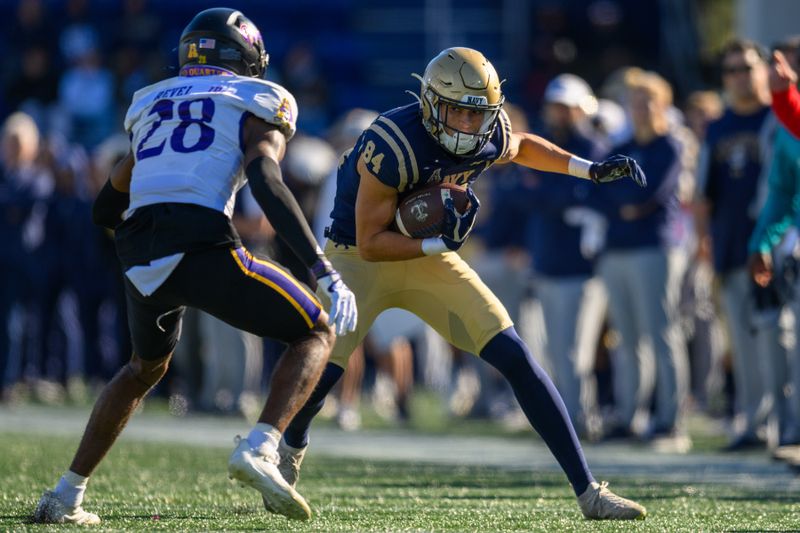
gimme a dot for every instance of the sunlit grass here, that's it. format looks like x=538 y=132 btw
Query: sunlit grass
x=149 y=486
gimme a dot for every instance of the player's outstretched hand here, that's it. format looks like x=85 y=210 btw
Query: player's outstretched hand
x=343 y=314
x=456 y=227
x=617 y=167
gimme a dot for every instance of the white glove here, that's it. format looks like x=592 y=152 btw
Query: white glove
x=343 y=314
x=593 y=229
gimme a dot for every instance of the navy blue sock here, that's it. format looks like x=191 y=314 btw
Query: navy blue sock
x=296 y=435
x=541 y=403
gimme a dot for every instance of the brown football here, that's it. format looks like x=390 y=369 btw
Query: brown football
x=421 y=213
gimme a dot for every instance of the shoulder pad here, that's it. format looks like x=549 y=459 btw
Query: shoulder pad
x=269 y=102
x=388 y=154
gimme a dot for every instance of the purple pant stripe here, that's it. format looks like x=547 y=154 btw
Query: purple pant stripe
x=292 y=288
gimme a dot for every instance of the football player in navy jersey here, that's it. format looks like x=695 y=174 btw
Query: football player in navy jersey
x=195 y=139
x=456 y=131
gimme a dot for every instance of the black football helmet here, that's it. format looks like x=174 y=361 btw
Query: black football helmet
x=225 y=38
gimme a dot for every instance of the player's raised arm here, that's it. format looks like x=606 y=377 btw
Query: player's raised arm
x=535 y=152
x=265 y=146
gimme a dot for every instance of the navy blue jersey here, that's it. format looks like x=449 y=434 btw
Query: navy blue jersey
x=501 y=229
x=663 y=160
x=554 y=245
x=402 y=154
x=732 y=174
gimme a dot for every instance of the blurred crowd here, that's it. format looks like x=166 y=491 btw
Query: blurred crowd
x=640 y=302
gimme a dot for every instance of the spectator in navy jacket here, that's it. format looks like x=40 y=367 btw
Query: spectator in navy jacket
x=635 y=267
x=557 y=224
x=731 y=189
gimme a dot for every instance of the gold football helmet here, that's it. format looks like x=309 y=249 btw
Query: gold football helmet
x=460 y=78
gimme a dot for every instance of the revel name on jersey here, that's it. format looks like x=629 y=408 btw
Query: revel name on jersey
x=186 y=137
x=398 y=150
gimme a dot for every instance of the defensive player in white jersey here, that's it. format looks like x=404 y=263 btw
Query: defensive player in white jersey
x=195 y=138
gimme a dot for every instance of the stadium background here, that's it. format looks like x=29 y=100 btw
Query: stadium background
x=74 y=65
x=364 y=51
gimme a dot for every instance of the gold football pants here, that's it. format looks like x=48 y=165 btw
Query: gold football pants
x=441 y=289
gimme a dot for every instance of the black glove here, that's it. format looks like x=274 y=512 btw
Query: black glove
x=617 y=167
x=456 y=227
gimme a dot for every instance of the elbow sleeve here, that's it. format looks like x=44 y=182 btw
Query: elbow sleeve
x=109 y=206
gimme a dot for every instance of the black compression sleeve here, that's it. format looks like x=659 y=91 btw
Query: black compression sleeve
x=282 y=209
x=109 y=206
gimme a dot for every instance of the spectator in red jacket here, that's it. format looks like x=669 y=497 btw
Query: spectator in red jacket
x=783 y=84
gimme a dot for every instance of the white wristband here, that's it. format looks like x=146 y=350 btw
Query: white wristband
x=433 y=246
x=579 y=167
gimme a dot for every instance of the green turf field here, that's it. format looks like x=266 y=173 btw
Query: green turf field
x=150 y=486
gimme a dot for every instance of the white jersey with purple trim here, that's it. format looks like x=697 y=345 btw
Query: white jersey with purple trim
x=186 y=137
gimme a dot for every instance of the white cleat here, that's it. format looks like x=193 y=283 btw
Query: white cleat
x=52 y=510
x=251 y=468
x=289 y=466
x=291 y=459
x=599 y=503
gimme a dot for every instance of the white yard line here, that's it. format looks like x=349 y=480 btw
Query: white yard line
x=614 y=462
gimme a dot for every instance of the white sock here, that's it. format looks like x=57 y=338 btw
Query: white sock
x=70 y=488
x=264 y=437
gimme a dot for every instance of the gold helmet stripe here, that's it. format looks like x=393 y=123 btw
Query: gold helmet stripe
x=398 y=153
x=400 y=135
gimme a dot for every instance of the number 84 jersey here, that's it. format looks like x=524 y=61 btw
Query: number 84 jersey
x=186 y=137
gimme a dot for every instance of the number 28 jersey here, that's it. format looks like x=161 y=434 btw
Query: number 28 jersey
x=186 y=137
